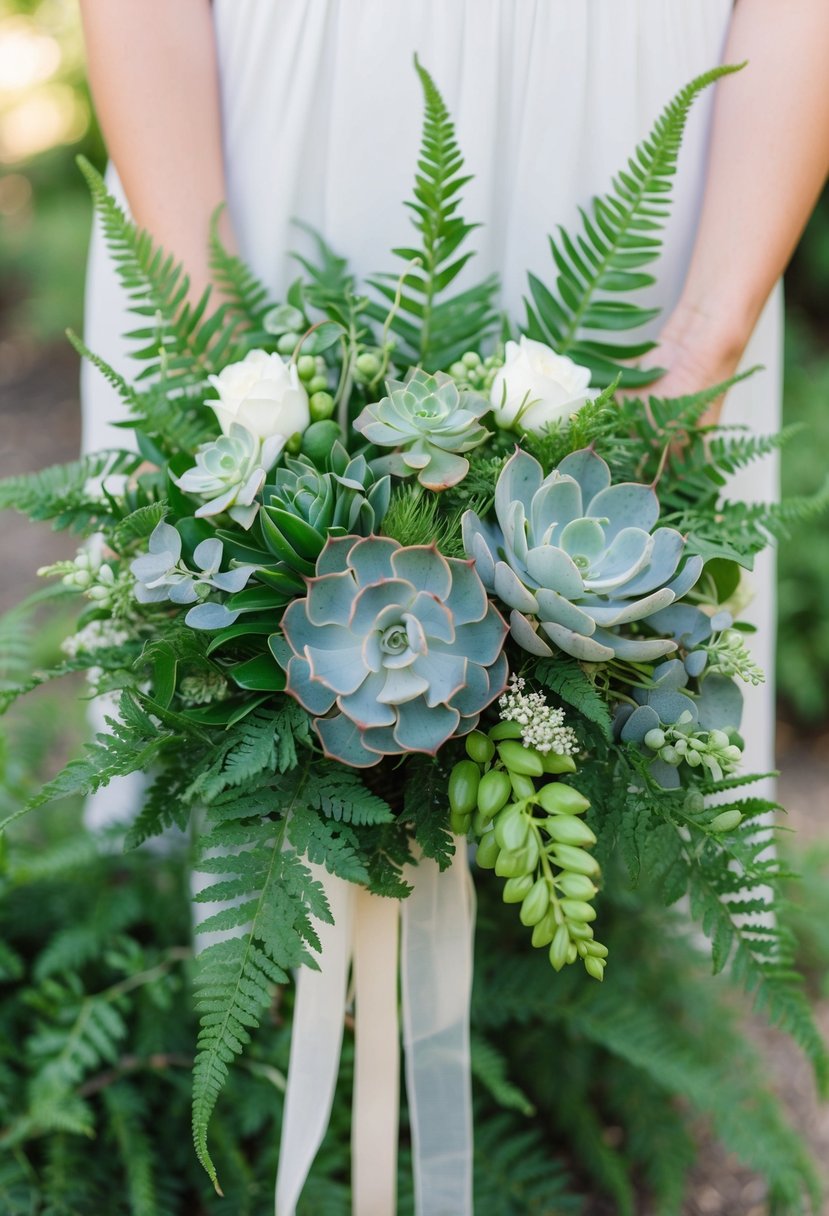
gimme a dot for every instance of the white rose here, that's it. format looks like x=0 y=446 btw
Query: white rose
x=536 y=387
x=264 y=394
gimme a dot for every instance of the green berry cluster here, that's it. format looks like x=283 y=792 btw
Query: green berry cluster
x=473 y=371
x=313 y=373
x=530 y=832
x=683 y=743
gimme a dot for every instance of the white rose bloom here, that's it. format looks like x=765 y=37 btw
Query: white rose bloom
x=263 y=393
x=536 y=387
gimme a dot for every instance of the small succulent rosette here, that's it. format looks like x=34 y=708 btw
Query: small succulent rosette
x=394 y=649
x=576 y=558
x=430 y=423
x=229 y=473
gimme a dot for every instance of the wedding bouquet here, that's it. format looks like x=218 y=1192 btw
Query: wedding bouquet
x=381 y=571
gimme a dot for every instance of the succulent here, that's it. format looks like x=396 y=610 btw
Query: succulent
x=675 y=727
x=395 y=649
x=711 y=643
x=160 y=573
x=303 y=507
x=229 y=472
x=575 y=558
x=430 y=422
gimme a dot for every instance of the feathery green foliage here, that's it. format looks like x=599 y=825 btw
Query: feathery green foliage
x=620 y=236
x=433 y=328
x=64 y=493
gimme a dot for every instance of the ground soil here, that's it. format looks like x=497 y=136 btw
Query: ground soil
x=39 y=425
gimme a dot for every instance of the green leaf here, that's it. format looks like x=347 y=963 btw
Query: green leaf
x=621 y=233
x=435 y=331
x=570 y=681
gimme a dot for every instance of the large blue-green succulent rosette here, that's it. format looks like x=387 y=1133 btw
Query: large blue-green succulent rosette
x=394 y=649
x=577 y=559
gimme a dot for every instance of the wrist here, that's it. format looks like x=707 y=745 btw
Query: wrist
x=718 y=328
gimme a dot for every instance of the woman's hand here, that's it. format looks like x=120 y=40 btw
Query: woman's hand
x=697 y=352
x=767 y=163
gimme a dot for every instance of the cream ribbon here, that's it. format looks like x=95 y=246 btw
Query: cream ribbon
x=436 y=967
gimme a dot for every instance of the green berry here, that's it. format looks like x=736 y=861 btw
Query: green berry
x=535 y=904
x=319 y=438
x=463 y=787
x=368 y=365
x=479 y=747
x=517 y=889
x=594 y=967
x=655 y=739
x=555 y=764
x=494 y=791
x=488 y=852
x=578 y=910
x=318 y=383
x=726 y=821
x=559 y=798
x=287 y=343
x=569 y=830
x=512 y=828
x=306 y=366
x=560 y=948
x=471 y=359
x=321 y=406
x=519 y=759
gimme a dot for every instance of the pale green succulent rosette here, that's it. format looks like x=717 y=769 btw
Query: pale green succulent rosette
x=577 y=558
x=431 y=422
x=229 y=473
x=394 y=649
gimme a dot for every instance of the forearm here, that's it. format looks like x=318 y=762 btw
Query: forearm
x=153 y=73
x=769 y=157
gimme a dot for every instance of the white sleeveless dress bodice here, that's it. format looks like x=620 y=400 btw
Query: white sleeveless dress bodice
x=322 y=114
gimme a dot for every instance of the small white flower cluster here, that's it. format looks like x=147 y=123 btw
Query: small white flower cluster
x=542 y=727
x=97 y=635
x=88 y=574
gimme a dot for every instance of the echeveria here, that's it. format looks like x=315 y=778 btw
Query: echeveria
x=229 y=472
x=431 y=423
x=577 y=558
x=394 y=649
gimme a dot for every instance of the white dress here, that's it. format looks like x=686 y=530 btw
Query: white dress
x=322 y=114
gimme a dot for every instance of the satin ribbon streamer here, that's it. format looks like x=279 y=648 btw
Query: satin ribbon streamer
x=436 y=967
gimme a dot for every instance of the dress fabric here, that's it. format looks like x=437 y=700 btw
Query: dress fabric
x=322 y=115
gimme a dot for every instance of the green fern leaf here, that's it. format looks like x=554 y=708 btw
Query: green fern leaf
x=340 y=794
x=434 y=329
x=63 y=492
x=570 y=682
x=489 y=1067
x=276 y=898
x=620 y=236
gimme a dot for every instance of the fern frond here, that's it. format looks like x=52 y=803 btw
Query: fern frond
x=435 y=330
x=244 y=292
x=515 y=1174
x=65 y=493
x=276 y=898
x=568 y=680
x=340 y=794
x=620 y=236
x=127 y=1120
x=489 y=1067
x=181 y=343
x=132 y=745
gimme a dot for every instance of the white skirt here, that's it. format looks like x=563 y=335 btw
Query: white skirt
x=322 y=114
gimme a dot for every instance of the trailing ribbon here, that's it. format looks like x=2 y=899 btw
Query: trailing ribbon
x=436 y=967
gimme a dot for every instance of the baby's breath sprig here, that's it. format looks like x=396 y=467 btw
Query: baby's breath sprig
x=542 y=726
